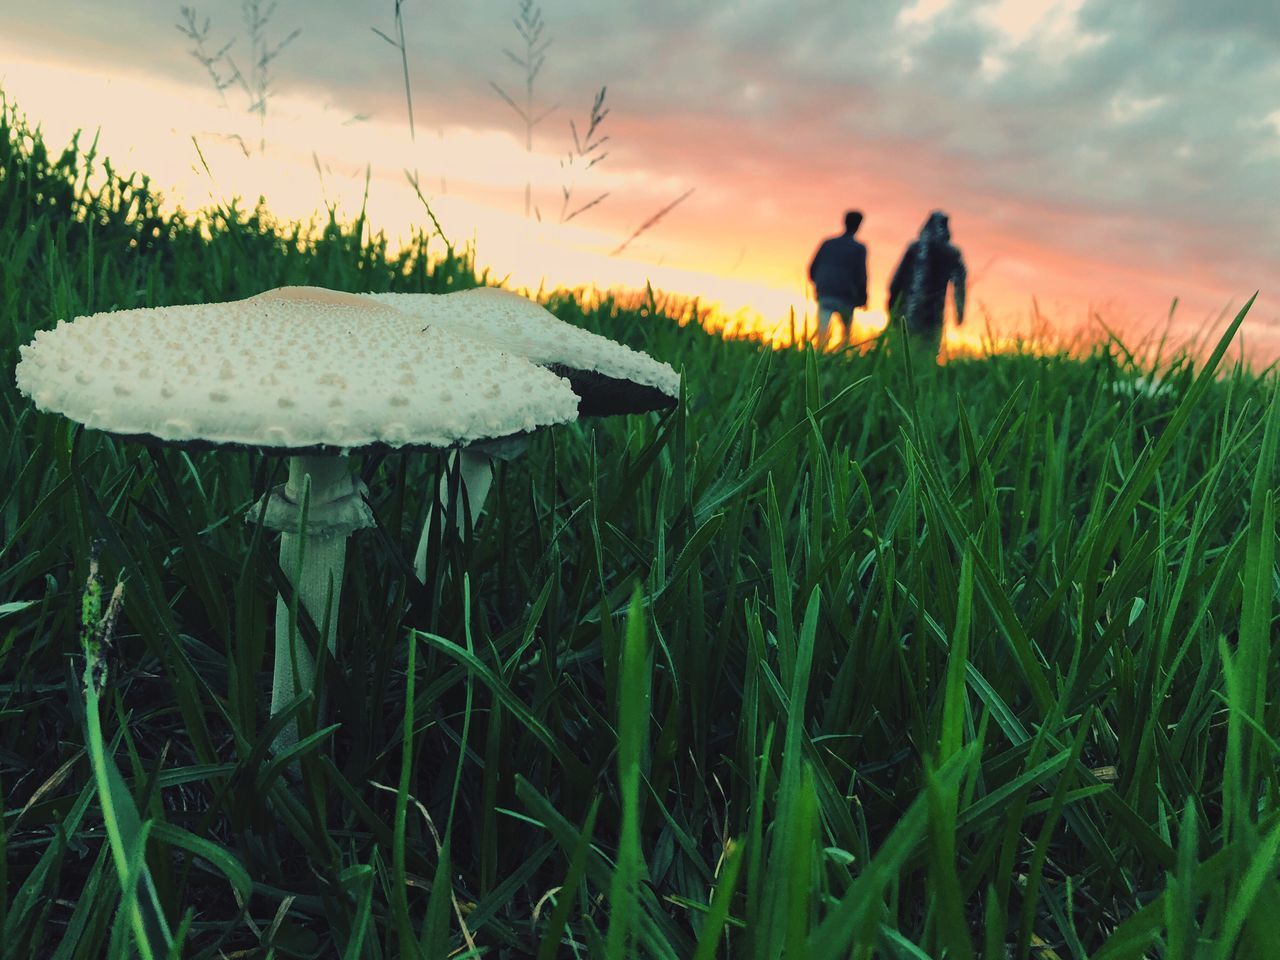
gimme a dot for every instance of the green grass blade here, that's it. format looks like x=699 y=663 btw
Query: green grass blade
x=633 y=724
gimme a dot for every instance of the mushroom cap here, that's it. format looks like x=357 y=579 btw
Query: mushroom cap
x=609 y=376
x=287 y=372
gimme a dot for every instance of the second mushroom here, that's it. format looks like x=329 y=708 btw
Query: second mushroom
x=608 y=377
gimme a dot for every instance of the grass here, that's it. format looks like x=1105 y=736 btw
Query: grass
x=841 y=658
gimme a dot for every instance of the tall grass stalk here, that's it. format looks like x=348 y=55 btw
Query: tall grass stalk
x=530 y=26
x=222 y=67
x=401 y=48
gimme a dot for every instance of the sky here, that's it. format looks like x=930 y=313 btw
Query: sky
x=1096 y=158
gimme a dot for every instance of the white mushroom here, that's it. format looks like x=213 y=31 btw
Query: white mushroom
x=608 y=377
x=614 y=377
x=307 y=374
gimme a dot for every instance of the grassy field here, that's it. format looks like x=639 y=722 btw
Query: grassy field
x=837 y=659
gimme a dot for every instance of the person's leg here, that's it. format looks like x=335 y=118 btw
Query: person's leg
x=824 y=322
x=845 y=315
x=827 y=307
x=925 y=344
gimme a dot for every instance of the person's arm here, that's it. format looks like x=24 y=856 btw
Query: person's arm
x=901 y=277
x=860 y=287
x=813 y=264
x=958 y=277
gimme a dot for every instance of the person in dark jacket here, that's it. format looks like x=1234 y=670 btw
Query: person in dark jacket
x=839 y=275
x=918 y=291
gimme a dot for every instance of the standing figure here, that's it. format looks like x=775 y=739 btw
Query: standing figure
x=918 y=291
x=839 y=274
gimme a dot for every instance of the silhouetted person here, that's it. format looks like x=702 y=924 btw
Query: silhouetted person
x=839 y=275
x=918 y=291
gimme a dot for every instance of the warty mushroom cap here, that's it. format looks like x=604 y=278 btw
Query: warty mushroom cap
x=287 y=374
x=610 y=377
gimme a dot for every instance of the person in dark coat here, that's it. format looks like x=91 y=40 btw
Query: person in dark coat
x=918 y=291
x=839 y=275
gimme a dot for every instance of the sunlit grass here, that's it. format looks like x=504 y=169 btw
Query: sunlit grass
x=842 y=657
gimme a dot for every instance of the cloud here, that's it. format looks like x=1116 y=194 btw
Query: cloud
x=1140 y=134
x=1163 y=18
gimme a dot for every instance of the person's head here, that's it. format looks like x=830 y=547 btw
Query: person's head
x=938 y=225
x=852 y=221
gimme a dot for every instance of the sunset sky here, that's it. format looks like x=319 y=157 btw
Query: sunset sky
x=1099 y=156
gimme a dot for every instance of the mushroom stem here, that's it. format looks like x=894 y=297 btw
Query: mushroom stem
x=476 y=476
x=313 y=557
